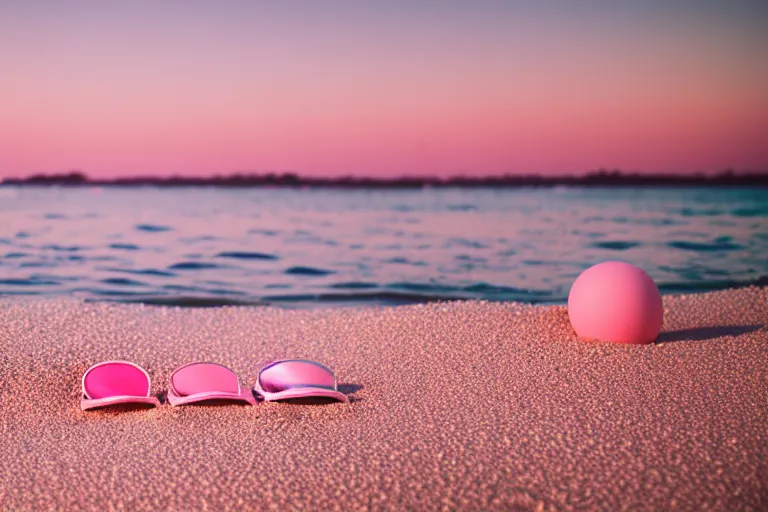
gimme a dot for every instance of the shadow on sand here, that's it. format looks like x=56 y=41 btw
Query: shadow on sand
x=347 y=389
x=213 y=402
x=122 y=408
x=706 y=333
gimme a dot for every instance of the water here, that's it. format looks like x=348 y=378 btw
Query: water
x=309 y=248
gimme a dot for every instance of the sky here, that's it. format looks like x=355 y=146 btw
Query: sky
x=330 y=88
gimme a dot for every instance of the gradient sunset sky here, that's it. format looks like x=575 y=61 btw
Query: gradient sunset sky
x=328 y=88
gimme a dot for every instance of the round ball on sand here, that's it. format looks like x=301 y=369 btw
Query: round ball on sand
x=615 y=301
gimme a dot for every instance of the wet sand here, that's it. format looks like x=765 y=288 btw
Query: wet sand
x=470 y=406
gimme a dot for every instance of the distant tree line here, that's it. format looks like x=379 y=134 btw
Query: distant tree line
x=599 y=178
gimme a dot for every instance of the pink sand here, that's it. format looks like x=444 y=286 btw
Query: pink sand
x=468 y=405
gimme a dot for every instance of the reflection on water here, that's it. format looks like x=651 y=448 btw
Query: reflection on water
x=208 y=246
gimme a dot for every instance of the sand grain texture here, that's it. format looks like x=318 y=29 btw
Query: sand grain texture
x=470 y=406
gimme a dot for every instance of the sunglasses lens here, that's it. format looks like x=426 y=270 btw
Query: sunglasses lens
x=296 y=374
x=115 y=379
x=204 y=377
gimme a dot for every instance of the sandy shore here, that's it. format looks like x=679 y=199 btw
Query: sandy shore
x=473 y=406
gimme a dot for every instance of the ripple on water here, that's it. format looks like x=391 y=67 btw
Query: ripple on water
x=39 y=264
x=124 y=247
x=691 y=286
x=121 y=281
x=191 y=240
x=717 y=245
x=246 y=255
x=308 y=271
x=757 y=211
x=63 y=248
x=701 y=212
x=110 y=292
x=659 y=222
x=465 y=242
x=487 y=288
x=265 y=232
x=462 y=207
x=193 y=265
x=195 y=301
x=355 y=285
x=615 y=245
x=423 y=287
x=225 y=291
x=28 y=282
x=406 y=261
x=153 y=228
x=142 y=271
x=470 y=258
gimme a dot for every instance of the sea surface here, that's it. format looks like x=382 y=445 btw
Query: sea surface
x=300 y=248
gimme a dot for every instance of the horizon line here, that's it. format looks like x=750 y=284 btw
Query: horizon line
x=402 y=177
x=601 y=177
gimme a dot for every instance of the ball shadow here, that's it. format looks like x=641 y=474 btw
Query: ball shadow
x=706 y=333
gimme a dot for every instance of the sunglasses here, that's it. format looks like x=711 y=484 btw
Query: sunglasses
x=116 y=382
x=297 y=378
x=197 y=382
x=122 y=382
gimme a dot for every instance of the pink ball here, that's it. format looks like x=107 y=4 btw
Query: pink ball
x=616 y=301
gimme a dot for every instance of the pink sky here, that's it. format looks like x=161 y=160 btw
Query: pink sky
x=331 y=89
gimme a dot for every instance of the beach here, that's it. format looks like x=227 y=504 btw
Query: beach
x=454 y=406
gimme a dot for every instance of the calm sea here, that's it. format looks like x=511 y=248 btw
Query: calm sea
x=317 y=248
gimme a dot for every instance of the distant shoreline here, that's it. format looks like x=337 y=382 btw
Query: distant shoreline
x=290 y=180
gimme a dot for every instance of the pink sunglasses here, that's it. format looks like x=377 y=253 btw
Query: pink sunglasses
x=122 y=382
x=116 y=382
x=297 y=378
x=197 y=382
